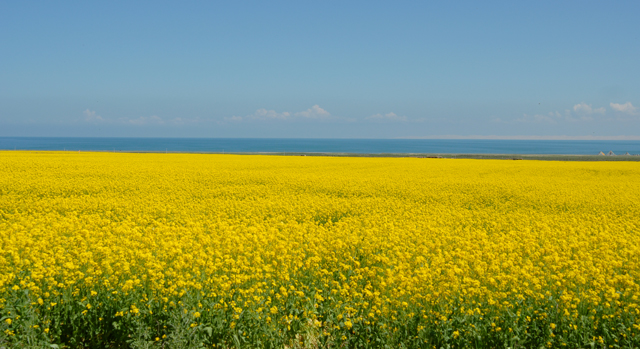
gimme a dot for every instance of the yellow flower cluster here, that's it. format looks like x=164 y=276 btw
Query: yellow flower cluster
x=263 y=248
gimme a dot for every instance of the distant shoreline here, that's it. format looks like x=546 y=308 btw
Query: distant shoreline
x=540 y=157
x=330 y=147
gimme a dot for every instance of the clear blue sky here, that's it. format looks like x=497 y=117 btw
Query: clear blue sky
x=320 y=69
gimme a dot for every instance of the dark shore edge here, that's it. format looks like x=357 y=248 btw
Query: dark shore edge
x=542 y=157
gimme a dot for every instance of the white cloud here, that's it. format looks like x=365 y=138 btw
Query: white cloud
x=261 y=114
x=143 y=120
x=584 y=108
x=264 y=114
x=581 y=112
x=386 y=117
x=574 y=117
x=538 y=118
x=91 y=116
x=186 y=121
x=233 y=118
x=624 y=108
x=314 y=112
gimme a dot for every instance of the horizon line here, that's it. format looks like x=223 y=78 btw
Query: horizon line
x=442 y=137
x=527 y=138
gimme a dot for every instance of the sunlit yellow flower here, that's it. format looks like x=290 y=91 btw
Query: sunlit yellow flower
x=336 y=243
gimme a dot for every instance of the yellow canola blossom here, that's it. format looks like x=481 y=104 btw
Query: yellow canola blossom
x=261 y=249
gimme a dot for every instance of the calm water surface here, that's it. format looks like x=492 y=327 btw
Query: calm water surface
x=379 y=146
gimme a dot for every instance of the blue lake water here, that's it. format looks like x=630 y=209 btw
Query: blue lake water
x=240 y=145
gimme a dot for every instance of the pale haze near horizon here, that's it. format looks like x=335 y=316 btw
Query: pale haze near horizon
x=539 y=70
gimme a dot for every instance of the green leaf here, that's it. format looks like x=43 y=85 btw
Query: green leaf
x=236 y=341
x=209 y=330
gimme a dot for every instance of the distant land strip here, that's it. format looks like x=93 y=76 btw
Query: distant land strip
x=542 y=157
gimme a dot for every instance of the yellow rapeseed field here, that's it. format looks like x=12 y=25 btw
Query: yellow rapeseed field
x=188 y=250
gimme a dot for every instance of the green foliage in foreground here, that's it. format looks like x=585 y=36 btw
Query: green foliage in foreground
x=194 y=321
